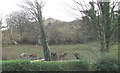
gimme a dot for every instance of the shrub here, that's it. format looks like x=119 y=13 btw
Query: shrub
x=18 y=65
x=107 y=64
x=75 y=66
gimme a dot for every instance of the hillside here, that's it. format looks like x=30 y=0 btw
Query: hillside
x=58 y=32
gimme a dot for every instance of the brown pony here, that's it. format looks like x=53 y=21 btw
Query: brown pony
x=62 y=56
x=32 y=56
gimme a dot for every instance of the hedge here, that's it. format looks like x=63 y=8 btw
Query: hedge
x=105 y=64
x=18 y=65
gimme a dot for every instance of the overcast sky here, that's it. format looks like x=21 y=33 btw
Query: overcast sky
x=57 y=9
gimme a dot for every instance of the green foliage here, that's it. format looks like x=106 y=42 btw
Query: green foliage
x=107 y=64
x=17 y=65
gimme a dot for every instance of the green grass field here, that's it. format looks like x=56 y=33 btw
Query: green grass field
x=88 y=50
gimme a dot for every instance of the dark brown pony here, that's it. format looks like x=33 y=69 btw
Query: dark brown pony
x=54 y=56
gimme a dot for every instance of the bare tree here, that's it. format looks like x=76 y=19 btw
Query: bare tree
x=35 y=10
x=17 y=21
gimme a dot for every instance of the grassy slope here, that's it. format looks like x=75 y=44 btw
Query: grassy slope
x=14 y=51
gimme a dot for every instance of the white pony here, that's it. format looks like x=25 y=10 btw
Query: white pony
x=14 y=42
x=23 y=55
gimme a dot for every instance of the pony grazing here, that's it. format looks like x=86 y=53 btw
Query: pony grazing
x=22 y=55
x=62 y=56
x=30 y=56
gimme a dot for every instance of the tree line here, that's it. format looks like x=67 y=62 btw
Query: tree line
x=25 y=30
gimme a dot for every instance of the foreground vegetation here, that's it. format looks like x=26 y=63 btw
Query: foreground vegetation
x=107 y=64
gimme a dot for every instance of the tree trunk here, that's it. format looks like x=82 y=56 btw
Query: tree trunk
x=106 y=25
x=43 y=39
x=44 y=43
x=102 y=41
x=20 y=30
x=11 y=34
